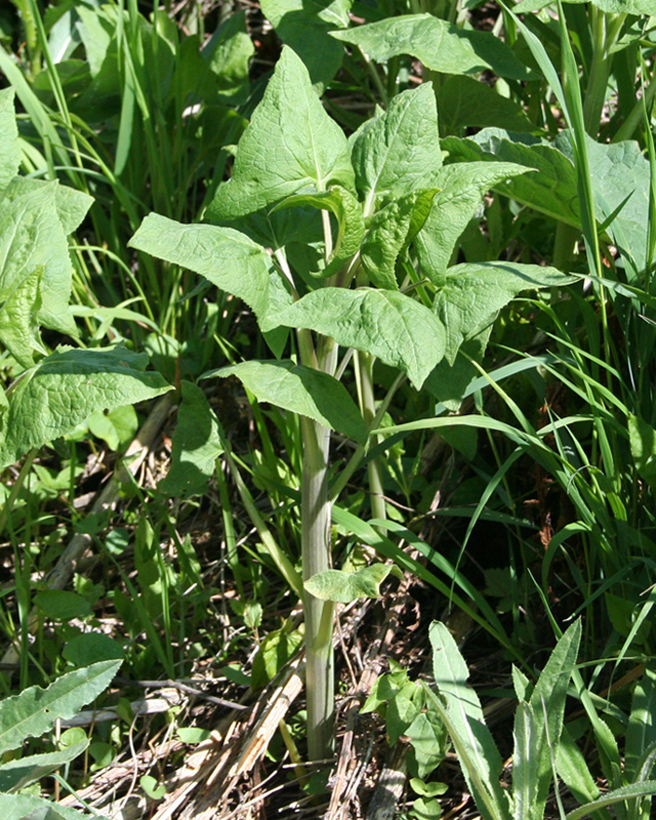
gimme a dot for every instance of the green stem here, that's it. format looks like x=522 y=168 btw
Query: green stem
x=315 y=529
x=316 y=556
x=364 y=366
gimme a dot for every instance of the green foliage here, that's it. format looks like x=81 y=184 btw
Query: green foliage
x=537 y=734
x=34 y=712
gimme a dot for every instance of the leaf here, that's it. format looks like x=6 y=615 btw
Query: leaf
x=304 y=25
x=525 y=760
x=472 y=295
x=34 y=711
x=224 y=256
x=439 y=45
x=71 y=205
x=428 y=738
x=291 y=143
x=390 y=231
x=197 y=443
x=62 y=391
x=10 y=152
x=463 y=715
x=344 y=587
x=28 y=807
x=389 y=325
x=548 y=706
x=350 y=223
x=609 y=6
x=463 y=101
x=461 y=188
x=552 y=190
x=62 y=604
x=641 y=731
x=19 y=324
x=229 y=53
x=449 y=383
x=275 y=651
x=573 y=769
x=398 y=151
x=302 y=390
x=32 y=239
x=642 y=438
x=631 y=792
x=17 y=774
x=91 y=647
x=426 y=809
x=621 y=178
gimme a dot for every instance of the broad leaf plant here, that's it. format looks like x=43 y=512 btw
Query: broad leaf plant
x=348 y=244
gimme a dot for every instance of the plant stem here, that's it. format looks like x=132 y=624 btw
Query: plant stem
x=315 y=529
x=364 y=365
x=316 y=556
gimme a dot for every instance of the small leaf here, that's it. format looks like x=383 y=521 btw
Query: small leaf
x=642 y=437
x=390 y=325
x=197 y=443
x=344 y=587
x=302 y=390
x=461 y=188
x=149 y=785
x=62 y=605
x=275 y=651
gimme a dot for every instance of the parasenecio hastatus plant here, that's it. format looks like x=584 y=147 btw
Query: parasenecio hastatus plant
x=347 y=243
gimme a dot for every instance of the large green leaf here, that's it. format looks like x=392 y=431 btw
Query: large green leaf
x=474 y=293
x=460 y=190
x=291 y=143
x=621 y=178
x=302 y=390
x=17 y=774
x=10 y=153
x=398 y=151
x=71 y=205
x=227 y=258
x=439 y=45
x=65 y=388
x=389 y=325
x=196 y=445
x=34 y=711
x=525 y=761
x=32 y=238
x=552 y=190
x=304 y=25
